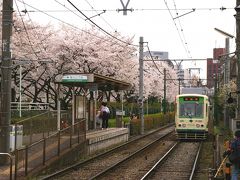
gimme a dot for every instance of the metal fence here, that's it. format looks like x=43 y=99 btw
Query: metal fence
x=23 y=106
x=9 y=173
x=34 y=155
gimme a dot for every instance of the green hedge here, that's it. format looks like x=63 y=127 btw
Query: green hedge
x=151 y=121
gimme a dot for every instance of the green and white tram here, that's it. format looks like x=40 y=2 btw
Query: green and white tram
x=191 y=116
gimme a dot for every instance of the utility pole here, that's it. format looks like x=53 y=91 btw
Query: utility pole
x=238 y=55
x=179 y=84
x=140 y=100
x=226 y=74
x=164 y=95
x=6 y=71
x=226 y=81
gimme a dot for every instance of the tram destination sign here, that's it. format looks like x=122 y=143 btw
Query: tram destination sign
x=73 y=78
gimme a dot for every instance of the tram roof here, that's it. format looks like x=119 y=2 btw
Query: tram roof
x=91 y=81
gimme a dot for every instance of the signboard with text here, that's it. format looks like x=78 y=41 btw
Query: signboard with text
x=76 y=78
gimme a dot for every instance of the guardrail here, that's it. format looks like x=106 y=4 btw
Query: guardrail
x=25 y=106
x=37 y=154
x=11 y=163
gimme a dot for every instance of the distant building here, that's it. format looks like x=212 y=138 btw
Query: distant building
x=213 y=66
x=195 y=90
x=182 y=74
x=158 y=56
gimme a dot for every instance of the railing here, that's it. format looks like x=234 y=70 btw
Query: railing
x=11 y=163
x=25 y=106
x=37 y=154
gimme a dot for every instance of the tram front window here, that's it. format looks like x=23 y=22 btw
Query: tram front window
x=193 y=110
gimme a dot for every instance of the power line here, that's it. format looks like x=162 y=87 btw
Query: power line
x=24 y=26
x=153 y=60
x=98 y=25
x=71 y=25
x=35 y=32
x=155 y=63
x=180 y=24
x=145 y=9
x=103 y=11
x=181 y=39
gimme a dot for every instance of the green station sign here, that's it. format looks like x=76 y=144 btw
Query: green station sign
x=75 y=78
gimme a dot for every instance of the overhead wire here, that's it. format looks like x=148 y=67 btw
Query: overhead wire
x=26 y=31
x=180 y=25
x=156 y=64
x=71 y=25
x=101 y=16
x=181 y=39
x=36 y=34
x=109 y=34
x=68 y=9
x=153 y=60
x=149 y=9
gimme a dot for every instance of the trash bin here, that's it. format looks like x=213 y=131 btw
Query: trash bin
x=18 y=129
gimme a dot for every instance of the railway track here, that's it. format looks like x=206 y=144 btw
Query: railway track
x=178 y=163
x=95 y=166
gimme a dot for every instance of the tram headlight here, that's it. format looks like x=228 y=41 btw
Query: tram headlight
x=202 y=125
x=184 y=125
x=179 y=125
x=197 y=125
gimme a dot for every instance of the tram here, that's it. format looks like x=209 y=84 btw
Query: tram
x=191 y=116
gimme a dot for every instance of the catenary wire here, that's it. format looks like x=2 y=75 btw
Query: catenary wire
x=150 y=9
x=71 y=25
x=184 y=46
x=180 y=25
x=26 y=31
x=100 y=16
x=98 y=25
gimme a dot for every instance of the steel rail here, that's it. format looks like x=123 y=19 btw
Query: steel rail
x=80 y=164
x=167 y=154
x=100 y=174
x=149 y=173
x=195 y=162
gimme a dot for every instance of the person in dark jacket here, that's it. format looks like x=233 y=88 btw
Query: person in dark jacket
x=234 y=155
x=105 y=114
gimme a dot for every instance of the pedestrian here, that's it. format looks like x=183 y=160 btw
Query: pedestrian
x=99 y=119
x=105 y=114
x=234 y=155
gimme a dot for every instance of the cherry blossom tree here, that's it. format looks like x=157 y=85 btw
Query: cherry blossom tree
x=48 y=52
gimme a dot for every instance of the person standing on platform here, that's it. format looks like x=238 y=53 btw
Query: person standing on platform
x=105 y=114
x=98 y=119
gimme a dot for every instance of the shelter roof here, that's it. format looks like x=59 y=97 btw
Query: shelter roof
x=91 y=81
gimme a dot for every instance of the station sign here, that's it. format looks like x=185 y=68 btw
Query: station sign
x=73 y=78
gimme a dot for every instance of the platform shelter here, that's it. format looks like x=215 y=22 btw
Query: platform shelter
x=84 y=105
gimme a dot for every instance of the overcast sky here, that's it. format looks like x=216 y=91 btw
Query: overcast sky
x=183 y=28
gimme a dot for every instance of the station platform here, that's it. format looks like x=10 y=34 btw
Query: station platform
x=97 y=140
x=102 y=139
